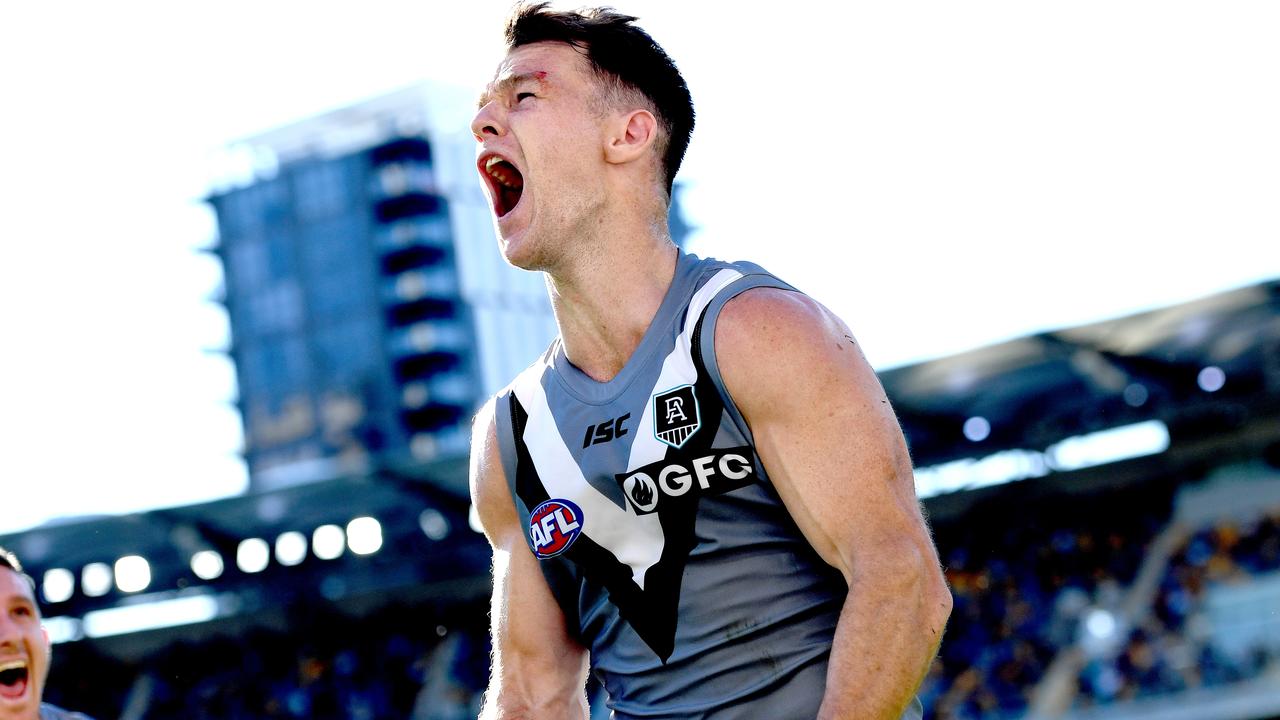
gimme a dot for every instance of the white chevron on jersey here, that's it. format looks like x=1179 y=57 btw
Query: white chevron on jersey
x=677 y=370
x=635 y=540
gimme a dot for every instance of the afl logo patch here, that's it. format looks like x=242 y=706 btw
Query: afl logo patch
x=675 y=415
x=553 y=526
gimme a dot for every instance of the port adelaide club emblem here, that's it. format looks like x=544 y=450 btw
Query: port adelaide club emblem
x=553 y=526
x=675 y=415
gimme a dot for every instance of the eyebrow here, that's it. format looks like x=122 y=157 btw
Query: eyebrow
x=504 y=85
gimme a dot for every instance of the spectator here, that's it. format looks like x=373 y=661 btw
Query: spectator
x=24 y=648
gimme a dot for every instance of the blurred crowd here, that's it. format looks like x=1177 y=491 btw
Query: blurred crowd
x=395 y=664
x=1022 y=571
x=1174 y=649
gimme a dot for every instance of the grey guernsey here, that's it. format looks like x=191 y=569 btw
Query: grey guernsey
x=53 y=712
x=668 y=550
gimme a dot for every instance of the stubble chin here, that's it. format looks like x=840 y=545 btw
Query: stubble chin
x=521 y=251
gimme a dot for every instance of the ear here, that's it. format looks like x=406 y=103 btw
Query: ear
x=635 y=134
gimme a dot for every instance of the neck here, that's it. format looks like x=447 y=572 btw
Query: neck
x=606 y=301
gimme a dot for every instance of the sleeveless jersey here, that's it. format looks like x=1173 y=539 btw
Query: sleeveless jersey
x=666 y=547
x=53 y=712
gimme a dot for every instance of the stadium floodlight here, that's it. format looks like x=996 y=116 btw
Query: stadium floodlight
x=328 y=542
x=125 y=619
x=253 y=555
x=433 y=524
x=58 y=585
x=63 y=629
x=291 y=548
x=364 y=536
x=95 y=579
x=133 y=573
x=1211 y=379
x=1101 y=624
x=977 y=428
x=1107 y=446
x=207 y=565
x=1074 y=453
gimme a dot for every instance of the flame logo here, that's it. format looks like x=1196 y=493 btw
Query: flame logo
x=644 y=495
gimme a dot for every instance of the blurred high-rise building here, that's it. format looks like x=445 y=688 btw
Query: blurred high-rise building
x=370 y=309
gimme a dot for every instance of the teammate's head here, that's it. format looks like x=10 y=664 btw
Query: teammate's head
x=584 y=125
x=24 y=645
x=631 y=69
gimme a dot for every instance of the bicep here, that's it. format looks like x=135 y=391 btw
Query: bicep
x=823 y=428
x=536 y=662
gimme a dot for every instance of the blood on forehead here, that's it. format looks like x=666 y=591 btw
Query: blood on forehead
x=507 y=82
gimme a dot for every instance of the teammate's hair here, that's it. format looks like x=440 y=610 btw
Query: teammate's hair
x=9 y=560
x=626 y=59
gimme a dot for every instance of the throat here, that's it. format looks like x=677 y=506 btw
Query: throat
x=604 y=318
x=601 y=368
x=602 y=343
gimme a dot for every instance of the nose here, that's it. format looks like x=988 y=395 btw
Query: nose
x=487 y=122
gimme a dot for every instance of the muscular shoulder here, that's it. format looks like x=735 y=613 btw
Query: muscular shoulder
x=771 y=339
x=490 y=496
x=760 y=316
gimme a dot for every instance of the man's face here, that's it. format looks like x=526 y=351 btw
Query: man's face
x=24 y=649
x=540 y=158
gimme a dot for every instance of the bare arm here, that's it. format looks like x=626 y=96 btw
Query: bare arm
x=833 y=449
x=538 y=670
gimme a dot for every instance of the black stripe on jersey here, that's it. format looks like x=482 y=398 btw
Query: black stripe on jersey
x=561 y=576
x=528 y=485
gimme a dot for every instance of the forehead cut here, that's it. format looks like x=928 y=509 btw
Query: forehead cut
x=508 y=81
x=540 y=62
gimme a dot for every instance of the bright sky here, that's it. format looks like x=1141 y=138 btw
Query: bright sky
x=943 y=175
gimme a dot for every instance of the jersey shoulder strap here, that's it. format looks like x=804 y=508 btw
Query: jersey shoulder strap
x=753 y=276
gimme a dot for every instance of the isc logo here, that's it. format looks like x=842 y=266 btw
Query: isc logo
x=553 y=526
x=605 y=431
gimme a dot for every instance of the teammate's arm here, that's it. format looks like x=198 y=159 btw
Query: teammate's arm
x=832 y=446
x=538 y=671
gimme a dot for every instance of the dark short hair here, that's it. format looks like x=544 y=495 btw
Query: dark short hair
x=9 y=560
x=623 y=54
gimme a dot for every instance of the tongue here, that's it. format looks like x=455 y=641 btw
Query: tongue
x=510 y=198
x=16 y=689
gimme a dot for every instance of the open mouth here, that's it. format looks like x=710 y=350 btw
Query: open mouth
x=13 y=679
x=506 y=182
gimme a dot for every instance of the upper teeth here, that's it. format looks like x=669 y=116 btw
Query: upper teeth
x=502 y=175
x=13 y=665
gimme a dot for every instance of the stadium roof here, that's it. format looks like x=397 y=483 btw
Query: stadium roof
x=1207 y=365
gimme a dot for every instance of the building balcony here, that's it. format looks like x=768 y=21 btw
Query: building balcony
x=449 y=388
x=431 y=232
x=400 y=179
x=418 y=284
x=430 y=336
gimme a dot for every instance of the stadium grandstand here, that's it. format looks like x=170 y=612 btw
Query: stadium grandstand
x=1105 y=500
